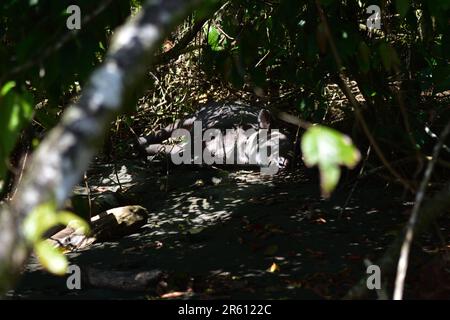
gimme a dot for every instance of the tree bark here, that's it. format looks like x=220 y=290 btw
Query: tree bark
x=63 y=156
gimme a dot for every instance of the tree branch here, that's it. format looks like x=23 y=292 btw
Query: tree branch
x=63 y=156
x=432 y=210
x=404 y=253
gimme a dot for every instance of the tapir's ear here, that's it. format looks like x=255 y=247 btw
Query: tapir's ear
x=264 y=119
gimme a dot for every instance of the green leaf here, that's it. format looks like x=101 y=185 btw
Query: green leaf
x=51 y=258
x=40 y=220
x=16 y=111
x=7 y=87
x=402 y=7
x=214 y=39
x=328 y=149
x=46 y=216
x=329 y=178
x=74 y=221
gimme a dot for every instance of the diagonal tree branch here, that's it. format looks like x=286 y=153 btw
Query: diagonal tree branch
x=65 y=153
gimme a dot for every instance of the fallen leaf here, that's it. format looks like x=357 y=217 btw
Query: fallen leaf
x=320 y=221
x=175 y=294
x=273 y=268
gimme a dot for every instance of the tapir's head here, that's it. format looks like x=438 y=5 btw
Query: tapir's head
x=279 y=144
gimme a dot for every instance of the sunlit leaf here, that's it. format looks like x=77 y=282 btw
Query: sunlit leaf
x=328 y=149
x=329 y=177
x=73 y=221
x=7 y=87
x=195 y=230
x=51 y=258
x=40 y=220
x=273 y=268
x=214 y=39
x=16 y=112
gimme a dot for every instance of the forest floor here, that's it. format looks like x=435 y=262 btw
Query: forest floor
x=237 y=234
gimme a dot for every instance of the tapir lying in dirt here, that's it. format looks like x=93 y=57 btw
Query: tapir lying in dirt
x=222 y=133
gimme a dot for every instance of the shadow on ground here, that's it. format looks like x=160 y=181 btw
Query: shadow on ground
x=219 y=234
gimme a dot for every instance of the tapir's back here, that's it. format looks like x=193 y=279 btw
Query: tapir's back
x=227 y=115
x=240 y=128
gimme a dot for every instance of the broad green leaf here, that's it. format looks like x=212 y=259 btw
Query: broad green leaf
x=214 y=39
x=51 y=258
x=16 y=111
x=329 y=178
x=7 y=87
x=46 y=216
x=21 y=113
x=40 y=220
x=72 y=220
x=328 y=149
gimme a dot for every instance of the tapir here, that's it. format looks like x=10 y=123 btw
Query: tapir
x=225 y=133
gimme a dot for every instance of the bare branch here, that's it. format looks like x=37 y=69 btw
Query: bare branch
x=432 y=209
x=404 y=253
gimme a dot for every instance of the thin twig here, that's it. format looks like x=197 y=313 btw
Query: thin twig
x=262 y=59
x=22 y=169
x=430 y=211
x=88 y=190
x=355 y=184
x=402 y=266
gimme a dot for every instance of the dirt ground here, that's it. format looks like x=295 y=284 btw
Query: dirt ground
x=236 y=234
